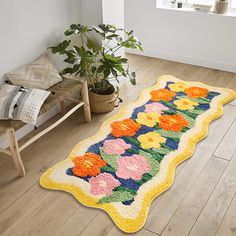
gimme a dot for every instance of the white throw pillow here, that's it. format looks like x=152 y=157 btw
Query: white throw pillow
x=38 y=74
x=18 y=103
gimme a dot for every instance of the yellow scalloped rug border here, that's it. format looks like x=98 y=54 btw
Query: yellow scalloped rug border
x=126 y=224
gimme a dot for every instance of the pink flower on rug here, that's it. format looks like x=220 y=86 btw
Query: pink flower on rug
x=155 y=107
x=116 y=146
x=132 y=167
x=103 y=184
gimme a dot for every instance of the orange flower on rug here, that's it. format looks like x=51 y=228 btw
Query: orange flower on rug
x=132 y=159
x=162 y=94
x=88 y=165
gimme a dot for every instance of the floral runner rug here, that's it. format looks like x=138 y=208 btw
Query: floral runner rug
x=133 y=157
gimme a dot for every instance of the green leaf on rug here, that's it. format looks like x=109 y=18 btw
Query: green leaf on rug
x=163 y=145
x=153 y=163
x=131 y=150
x=160 y=150
x=110 y=159
x=198 y=111
x=121 y=188
x=154 y=154
x=185 y=129
x=169 y=112
x=117 y=196
x=190 y=120
x=108 y=169
x=169 y=133
x=203 y=100
x=132 y=140
x=146 y=177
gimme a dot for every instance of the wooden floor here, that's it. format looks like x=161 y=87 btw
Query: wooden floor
x=201 y=202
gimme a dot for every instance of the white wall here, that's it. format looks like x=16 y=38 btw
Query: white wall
x=28 y=27
x=190 y=37
x=92 y=12
x=114 y=13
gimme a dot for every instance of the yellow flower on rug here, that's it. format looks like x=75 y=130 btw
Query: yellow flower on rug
x=185 y=104
x=149 y=119
x=151 y=140
x=178 y=87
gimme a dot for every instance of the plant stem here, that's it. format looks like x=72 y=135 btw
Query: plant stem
x=117 y=49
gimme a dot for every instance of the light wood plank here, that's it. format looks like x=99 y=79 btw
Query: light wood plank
x=138 y=63
x=116 y=232
x=217 y=78
x=56 y=218
x=35 y=215
x=177 y=171
x=17 y=209
x=145 y=232
x=228 y=225
x=165 y=207
x=199 y=75
x=217 y=205
x=196 y=198
x=78 y=221
x=232 y=85
x=227 y=147
x=101 y=224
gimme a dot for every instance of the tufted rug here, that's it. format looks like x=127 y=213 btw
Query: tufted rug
x=133 y=157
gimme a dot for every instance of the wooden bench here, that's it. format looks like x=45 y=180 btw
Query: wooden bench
x=64 y=92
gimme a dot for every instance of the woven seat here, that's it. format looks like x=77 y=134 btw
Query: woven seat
x=66 y=89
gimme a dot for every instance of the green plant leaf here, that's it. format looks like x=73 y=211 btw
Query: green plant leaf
x=110 y=159
x=132 y=77
x=117 y=196
x=77 y=29
x=61 y=47
x=106 y=73
x=93 y=45
x=101 y=68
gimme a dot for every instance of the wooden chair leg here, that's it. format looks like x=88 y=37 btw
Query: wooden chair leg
x=15 y=151
x=85 y=99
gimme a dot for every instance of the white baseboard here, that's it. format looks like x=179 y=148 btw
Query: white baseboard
x=185 y=59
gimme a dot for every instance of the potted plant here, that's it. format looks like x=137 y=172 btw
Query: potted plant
x=95 y=59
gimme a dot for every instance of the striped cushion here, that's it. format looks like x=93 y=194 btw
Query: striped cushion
x=18 y=103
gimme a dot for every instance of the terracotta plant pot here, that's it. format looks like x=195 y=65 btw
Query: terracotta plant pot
x=102 y=103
